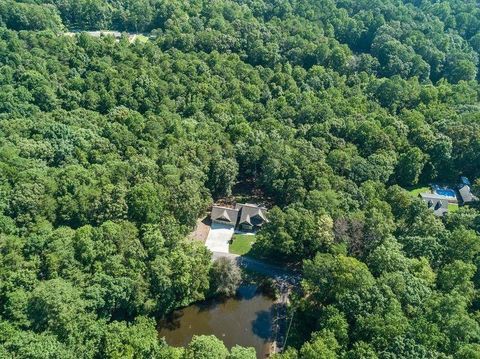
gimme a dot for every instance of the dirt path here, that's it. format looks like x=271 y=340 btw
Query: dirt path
x=269 y=270
x=200 y=233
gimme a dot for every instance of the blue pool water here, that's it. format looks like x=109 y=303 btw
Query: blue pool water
x=445 y=192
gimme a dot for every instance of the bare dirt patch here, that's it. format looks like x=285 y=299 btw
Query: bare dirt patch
x=201 y=230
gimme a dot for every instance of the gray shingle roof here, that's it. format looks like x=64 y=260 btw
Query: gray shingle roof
x=252 y=214
x=432 y=196
x=466 y=194
x=248 y=213
x=225 y=215
x=436 y=202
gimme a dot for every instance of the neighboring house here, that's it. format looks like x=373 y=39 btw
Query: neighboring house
x=252 y=217
x=246 y=216
x=465 y=191
x=436 y=202
x=466 y=194
x=224 y=215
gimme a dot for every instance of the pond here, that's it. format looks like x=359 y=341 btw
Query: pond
x=245 y=320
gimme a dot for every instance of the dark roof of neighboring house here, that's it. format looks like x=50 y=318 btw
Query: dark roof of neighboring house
x=225 y=214
x=251 y=214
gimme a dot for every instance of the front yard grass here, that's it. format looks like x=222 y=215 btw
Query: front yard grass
x=416 y=191
x=452 y=207
x=241 y=244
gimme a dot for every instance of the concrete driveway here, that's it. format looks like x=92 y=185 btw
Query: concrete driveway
x=219 y=237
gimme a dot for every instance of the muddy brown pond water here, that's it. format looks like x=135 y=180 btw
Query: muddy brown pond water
x=245 y=320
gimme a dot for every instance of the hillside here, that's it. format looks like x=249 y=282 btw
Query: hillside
x=110 y=151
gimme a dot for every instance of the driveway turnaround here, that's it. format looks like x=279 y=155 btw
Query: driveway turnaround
x=219 y=237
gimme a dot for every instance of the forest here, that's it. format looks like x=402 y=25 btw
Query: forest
x=334 y=109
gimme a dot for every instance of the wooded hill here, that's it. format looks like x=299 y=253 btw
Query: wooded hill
x=110 y=151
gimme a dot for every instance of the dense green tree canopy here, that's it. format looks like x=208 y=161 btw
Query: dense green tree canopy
x=111 y=149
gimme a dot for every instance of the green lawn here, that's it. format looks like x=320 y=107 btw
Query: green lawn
x=416 y=191
x=241 y=244
x=141 y=38
x=452 y=207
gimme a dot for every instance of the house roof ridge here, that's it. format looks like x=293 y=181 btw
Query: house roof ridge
x=251 y=205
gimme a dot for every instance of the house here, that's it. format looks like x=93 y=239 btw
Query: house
x=465 y=191
x=466 y=194
x=252 y=217
x=224 y=215
x=248 y=217
x=436 y=202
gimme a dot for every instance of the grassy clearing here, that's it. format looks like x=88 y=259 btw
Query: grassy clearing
x=416 y=191
x=241 y=244
x=452 y=207
x=141 y=38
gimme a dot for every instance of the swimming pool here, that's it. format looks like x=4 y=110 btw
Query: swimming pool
x=445 y=192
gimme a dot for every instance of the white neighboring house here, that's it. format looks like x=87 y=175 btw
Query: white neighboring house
x=465 y=191
x=435 y=202
x=466 y=194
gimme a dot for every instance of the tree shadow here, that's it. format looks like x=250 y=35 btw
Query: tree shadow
x=244 y=292
x=211 y=303
x=172 y=321
x=247 y=291
x=207 y=221
x=262 y=325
